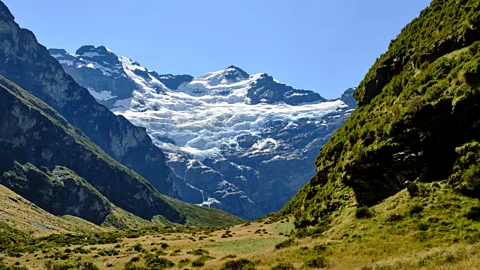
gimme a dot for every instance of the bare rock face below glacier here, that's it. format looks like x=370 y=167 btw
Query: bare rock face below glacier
x=238 y=142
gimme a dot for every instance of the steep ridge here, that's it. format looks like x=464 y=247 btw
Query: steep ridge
x=239 y=142
x=418 y=119
x=30 y=65
x=81 y=181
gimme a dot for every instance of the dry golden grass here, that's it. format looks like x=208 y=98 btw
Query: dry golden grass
x=23 y=215
x=351 y=243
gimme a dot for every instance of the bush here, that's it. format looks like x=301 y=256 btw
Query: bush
x=135 y=259
x=320 y=248
x=138 y=248
x=393 y=218
x=175 y=252
x=71 y=265
x=108 y=252
x=159 y=263
x=415 y=209
x=80 y=250
x=183 y=262
x=287 y=243
x=316 y=262
x=283 y=266
x=474 y=213
x=198 y=252
x=132 y=266
x=240 y=264
x=198 y=263
x=229 y=257
x=363 y=212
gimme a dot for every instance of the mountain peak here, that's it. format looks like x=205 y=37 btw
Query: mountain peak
x=90 y=50
x=233 y=72
x=55 y=51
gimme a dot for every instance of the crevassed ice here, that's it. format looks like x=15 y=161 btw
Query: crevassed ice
x=205 y=117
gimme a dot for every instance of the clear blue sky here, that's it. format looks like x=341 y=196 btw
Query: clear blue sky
x=322 y=45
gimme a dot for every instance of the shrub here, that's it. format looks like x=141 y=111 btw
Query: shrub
x=240 y=264
x=283 y=266
x=422 y=226
x=316 y=262
x=138 y=248
x=132 y=266
x=393 y=218
x=108 y=252
x=474 y=213
x=198 y=252
x=159 y=263
x=415 y=209
x=49 y=265
x=231 y=256
x=198 y=263
x=175 y=252
x=363 y=212
x=287 y=243
x=161 y=253
x=135 y=259
x=183 y=262
x=80 y=250
x=320 y=248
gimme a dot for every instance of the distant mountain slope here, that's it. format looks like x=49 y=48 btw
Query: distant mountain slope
x=30 y=65
x=418 y=119
x=22 y=214
x=32 y=132
x=239 y=142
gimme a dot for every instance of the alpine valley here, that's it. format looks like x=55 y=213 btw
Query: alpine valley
x=105 y=164
x=238 y=142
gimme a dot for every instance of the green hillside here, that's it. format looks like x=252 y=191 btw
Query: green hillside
x=418 y=119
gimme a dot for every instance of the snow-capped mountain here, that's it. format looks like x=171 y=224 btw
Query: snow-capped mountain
x=239 y=142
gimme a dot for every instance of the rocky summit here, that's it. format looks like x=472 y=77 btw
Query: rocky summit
x=238 y=142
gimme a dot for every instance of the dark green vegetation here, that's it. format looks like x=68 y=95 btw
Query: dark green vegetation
x=418 y=119
x=240 y=264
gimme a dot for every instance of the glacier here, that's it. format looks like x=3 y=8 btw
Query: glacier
x=239 y=142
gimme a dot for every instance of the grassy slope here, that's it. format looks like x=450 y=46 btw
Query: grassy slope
x=19 y=213
x=418 y=118
x=194 y=215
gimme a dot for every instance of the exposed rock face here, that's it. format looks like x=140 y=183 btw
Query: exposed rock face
x=348 y=98
x=238 y=142
x=267 y=90
x=30 y=65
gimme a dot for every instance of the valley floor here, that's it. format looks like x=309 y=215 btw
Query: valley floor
x=426 y=232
